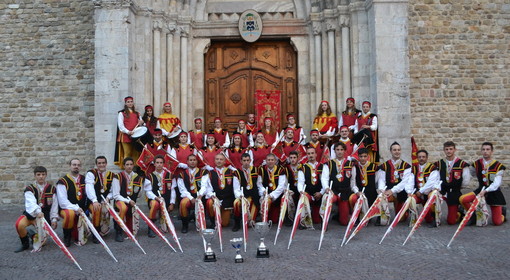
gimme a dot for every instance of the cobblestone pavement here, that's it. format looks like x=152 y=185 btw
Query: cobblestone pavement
x=477 y=252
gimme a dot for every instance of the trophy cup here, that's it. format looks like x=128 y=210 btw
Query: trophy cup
x=236 y=243
x=262 y=228
x=208 y=235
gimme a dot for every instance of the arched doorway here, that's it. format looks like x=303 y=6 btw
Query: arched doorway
x=235 y=70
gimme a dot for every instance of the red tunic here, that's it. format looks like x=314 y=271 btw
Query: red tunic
x=270 y=137
x=350 y=146
x=209 y=155
x=349 y=118
x=251 y=127
x=325 y=123
x=362 y=120
x=234 y=154
x=151 y=126
x=153 y=148
x=220 y=136
x=289 y=147
x=196 y=138
x=130 y=123
x=182 y=152
x=259 y=155
x=245 y=141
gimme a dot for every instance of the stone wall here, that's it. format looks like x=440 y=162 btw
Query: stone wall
x=459 y=69
x=47 y=90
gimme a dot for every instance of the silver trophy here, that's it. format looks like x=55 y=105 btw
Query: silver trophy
x=236 y=243
x=262 y=228
x=208 y=235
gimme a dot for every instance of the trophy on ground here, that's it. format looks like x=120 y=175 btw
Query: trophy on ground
x=208 y=235
x=236 y=243
x=262 y=228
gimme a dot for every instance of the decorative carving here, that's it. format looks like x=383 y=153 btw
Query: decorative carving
x=235 y=98
x=344 y=20
x=331 y=24
x=266 y=54
x=288 y=60
x=212 y=61
x=234 y=54
x=115 y=83
x=157 y=24
x=316 y=27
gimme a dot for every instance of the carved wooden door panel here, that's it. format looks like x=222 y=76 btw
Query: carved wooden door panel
x=234 y=70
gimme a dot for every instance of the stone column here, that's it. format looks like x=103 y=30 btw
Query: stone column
x=156 y=58
x=301 y=44
x=312 y=77
x=330 y=27
x=184 y=76
x=390 y=80
x=170 y=63
x=346 y=57
x=112 y=72
x=317 y=29
x=361 y=54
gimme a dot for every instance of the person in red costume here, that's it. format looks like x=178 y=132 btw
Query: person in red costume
x=350 y=114
x=151 y=122
x=269 y=131
x=325 y=122
x=127 y=120
x=169 y=123
x=365 y=129
x=197 y=137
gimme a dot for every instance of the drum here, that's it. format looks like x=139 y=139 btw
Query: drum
x=141 y=133
x=173 y=137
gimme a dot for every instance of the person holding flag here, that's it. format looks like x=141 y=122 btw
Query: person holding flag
x=188 y=182
x=489 y=173
x=394 y=177
x=426 y=179
x=341 y=172
x=454 y=174
x=159 y=189
x=72 y=199
x=40 y=202
x=248 y=179
x=320 y=148
x=271 y=178
x=299 y=134
x=125 y=189
x=365 y=131
x=98 y=184
x=309 y=183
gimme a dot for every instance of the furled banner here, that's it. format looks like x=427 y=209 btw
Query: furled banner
x=267 y=104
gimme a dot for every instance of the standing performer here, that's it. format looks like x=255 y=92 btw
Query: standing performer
x=299 y=134
x=394 y=176
x=309 y=183
x=71 y=199
x=252 y=123
x=292 y=174
x=246 y=134
x=273 y=177
x=222 y=183
x=98 y=182
x=248 y=179
x=189 y=182
x=156 y=183
x=426 y=179
x=125 y=188
x=197 y=136
x=210 y=150
x=350 y=114
x=269 y=132
x=289 y=145
x=158 y=146
x=235 y=150
x=151 y=122
x=127 y=120
x=40 y=202
x=342 y=174
x=260 y=150
x=366 y=125
x=320 y=148
x=454 y=173
x=366 y=177
x=220 y=134
x=325 y=122
x=489 y=173
x=169 y=123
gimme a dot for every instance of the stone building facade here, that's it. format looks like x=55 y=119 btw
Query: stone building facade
x=435 y=68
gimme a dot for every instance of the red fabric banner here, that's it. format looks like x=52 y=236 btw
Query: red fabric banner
x=267 y=104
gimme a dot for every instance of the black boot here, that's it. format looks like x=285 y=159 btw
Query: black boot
x=25 y=244
x=503 y=212
x=67 y=237
x=150 y=232
x=237 y=224
x=118 y=233
x=94 y=239
x=472 y=220
x=185 y=222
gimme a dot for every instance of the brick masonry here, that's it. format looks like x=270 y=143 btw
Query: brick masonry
x=460 y=87
x=47 y=85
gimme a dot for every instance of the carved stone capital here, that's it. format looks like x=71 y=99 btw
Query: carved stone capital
x=157 y=24
x=344 y=21
x=316 y=27
x=331 y=24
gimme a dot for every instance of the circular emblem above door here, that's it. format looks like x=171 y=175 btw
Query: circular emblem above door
x=250 y=26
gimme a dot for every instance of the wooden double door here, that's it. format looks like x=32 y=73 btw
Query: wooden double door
x=235 y=70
